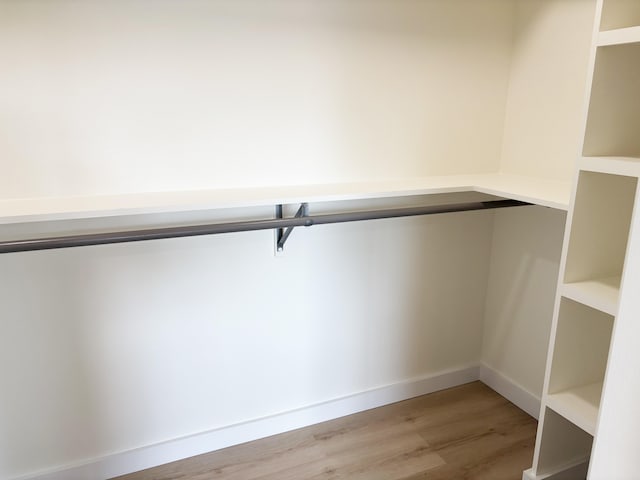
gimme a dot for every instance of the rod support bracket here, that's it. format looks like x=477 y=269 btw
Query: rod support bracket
x=282 y=234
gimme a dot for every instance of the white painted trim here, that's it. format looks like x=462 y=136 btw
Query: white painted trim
x=153 y=455
x=510 y=390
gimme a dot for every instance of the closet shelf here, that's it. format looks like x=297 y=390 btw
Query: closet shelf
x=619 y=36
x=548 y=193
x=539 y=191
x=601 y=294
x=627 y=166
x=579 y=405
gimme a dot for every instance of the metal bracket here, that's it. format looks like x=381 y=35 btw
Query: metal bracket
x=282 y=234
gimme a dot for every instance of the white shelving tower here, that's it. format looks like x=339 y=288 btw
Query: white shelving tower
x=590 y=416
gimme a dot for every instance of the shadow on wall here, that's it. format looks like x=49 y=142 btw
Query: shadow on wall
x=48 y=413
x=525 y=259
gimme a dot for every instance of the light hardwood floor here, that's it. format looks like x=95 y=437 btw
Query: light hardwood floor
x=467 y=432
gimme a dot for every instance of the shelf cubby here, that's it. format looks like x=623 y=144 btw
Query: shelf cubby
x=620 y=14
x=563 y=448
x=578 y=365
x=614 y=108
x=579 y=405
x=599 y=232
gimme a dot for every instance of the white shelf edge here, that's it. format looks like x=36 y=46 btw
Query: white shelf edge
x=579 y=405
x=619 y=36
x=539 y=191
x=543 y=192
x=626 y=166
x=601 y=294
x=573 y=469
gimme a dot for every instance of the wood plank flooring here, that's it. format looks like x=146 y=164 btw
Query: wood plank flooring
x=464 y=433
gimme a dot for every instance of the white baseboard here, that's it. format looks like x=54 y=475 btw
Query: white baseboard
x=139 y=459
x=510 y=390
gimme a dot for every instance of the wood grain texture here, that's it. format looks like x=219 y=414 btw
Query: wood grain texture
x=467 y=432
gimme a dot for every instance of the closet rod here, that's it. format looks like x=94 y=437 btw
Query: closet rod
x=82 y=240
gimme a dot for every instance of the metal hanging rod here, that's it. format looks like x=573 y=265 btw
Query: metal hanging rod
x=301 y=220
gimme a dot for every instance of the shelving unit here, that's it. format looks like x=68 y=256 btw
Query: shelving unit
x=585 y=376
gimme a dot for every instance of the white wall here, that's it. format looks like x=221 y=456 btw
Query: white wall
x=547 y=87
x=108 y=97
x=111 y=348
